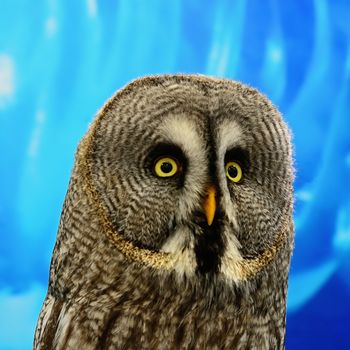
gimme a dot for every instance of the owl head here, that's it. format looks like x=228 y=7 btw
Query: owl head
x=189 y=174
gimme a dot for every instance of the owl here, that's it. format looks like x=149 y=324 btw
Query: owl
x=176 y=230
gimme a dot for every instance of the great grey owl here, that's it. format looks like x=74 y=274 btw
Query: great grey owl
x=176 y=230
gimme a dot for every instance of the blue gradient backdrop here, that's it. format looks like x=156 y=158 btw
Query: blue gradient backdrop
x=60 y=60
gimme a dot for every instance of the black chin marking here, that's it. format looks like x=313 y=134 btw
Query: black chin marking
x=209 y=247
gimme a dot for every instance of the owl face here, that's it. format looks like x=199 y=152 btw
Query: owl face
x=195 y=168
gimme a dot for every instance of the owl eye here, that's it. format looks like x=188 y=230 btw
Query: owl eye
x=233 y=171
x=166 y=167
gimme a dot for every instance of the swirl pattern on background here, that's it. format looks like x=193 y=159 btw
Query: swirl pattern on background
x=59 y=61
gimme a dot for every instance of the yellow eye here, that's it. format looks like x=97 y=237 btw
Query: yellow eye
x=166 y=167
x=233 y=171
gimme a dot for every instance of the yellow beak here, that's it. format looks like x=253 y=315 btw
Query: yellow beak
x=209 y=205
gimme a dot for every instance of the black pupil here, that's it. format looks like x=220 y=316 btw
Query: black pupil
x=232 y=171
x=166 y=167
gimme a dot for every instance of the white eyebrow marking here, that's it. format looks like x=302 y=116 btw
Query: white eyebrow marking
x=182 y=131
x=229 y=135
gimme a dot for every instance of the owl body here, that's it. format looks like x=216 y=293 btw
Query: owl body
x=176 y=230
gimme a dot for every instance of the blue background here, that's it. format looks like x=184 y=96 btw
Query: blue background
x=60 y=60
